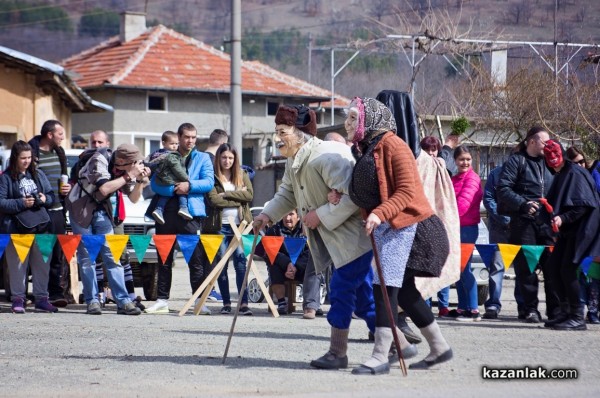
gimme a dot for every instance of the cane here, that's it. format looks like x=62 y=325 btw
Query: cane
x=388 y=306
x=257 y=224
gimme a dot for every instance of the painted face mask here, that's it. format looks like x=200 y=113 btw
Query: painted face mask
x=553 y=153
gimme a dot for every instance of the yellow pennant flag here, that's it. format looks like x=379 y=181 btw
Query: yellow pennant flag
x=116 y=244
x=211 y=245
x=508 y=253
x=22 y=244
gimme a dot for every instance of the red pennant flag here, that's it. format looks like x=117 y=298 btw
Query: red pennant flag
x=69 y=244
x=466 y=250
x=551 y=248
x=272 y=244
x=164 y=244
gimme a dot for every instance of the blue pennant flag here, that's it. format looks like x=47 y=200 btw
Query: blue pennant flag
x=487 y=253
x=187 y=245
x=93 y=244
x=585 y=265
x=294 y=247
x=4 y=239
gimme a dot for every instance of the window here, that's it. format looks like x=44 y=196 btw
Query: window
x=272 y=108
x=157 y=102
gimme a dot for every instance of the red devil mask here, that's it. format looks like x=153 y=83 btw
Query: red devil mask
x=553 y=153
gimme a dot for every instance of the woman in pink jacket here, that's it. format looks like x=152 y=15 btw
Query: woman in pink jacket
x=467 y=187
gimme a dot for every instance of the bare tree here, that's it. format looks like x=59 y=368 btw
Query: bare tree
x=379 y=8
x=520 y=12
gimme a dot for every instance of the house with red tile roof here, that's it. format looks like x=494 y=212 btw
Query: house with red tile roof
x=156 y=79
x=33 y=90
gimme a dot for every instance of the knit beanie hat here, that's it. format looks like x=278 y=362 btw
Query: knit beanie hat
x=304 y=118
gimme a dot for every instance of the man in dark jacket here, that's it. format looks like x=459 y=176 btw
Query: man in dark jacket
x=51 y=159
x=524 y=180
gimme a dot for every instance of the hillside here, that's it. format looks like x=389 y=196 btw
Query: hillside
x=327 y=22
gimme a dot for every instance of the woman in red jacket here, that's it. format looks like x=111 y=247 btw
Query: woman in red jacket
x=467 y=187
x=410 y=239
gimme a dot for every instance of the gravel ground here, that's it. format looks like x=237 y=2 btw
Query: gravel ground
x=70 y=354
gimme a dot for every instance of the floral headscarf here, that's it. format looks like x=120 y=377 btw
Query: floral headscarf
x=373 y=117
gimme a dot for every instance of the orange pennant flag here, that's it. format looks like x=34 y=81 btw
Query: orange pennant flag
x=22 y=244
x=551 y=248
x=508 y=253
x=116 y=244
x=466 y=251
x=272 y=244
x=69 y=244
x=164 y=244
x=211 y=244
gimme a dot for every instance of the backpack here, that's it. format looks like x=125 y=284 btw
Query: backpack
x=82 y=200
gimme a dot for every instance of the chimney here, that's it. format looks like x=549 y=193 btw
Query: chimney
x=133 y=24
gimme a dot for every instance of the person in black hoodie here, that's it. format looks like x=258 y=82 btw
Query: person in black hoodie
x=523 y=182
x=576 y=215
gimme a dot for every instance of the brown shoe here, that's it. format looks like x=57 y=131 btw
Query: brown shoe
x=309 y=313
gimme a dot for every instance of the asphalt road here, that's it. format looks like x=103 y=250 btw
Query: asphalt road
x=70 y=354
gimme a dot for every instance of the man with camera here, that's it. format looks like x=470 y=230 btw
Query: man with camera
x=91 y=213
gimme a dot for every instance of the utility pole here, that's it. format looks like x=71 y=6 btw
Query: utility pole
x=309 y=54
x=235 y=95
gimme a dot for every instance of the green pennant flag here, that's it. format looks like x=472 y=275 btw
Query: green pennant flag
x=45 y=243
x=532 y=255
x=594 y=271
x=247 y=243
x=140 y=244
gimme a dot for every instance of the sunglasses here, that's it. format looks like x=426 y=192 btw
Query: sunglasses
x=581 y=162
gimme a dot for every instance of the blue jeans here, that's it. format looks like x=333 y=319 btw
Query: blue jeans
x=443 y=297
x=162 y=202
x=352 y=291
x=466 y=286
x=100 y=225
x=239 y=264
x=495 y=283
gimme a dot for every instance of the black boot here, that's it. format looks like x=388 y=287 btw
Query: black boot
x=410 y=335
x=559 y=317
x=575 y=321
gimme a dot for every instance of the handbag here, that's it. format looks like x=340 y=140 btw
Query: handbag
x=32 y=221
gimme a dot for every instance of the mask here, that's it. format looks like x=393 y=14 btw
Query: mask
x=553 y=154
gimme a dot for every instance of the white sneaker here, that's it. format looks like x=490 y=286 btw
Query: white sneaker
x=204 y=310
x=160 y=307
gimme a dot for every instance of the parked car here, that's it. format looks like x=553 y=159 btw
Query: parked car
x=145 y=274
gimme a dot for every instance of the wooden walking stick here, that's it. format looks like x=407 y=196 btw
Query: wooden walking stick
x=257 y=225
x=388 y=306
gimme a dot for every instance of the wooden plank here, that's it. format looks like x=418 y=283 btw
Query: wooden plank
x=74 y=271
x=211 y=278
x=265 y=291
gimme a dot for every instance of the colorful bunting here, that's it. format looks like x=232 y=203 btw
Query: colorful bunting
x=247 y=241
x=68 y=244
x=140 y=245
x=4 y=239
x=532 y=255
x=93 y=244
x=294 y=247
x=116 y=244
x=487 y=253
x=211 y=245
x=187 y=245
x=508 y=253
x=272 y=244
x=45 y=243
x=466 y=251
x=22 y=244
x=164 y=244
